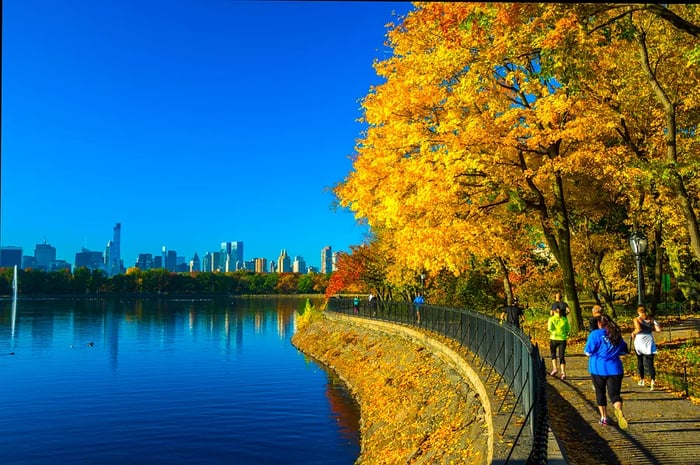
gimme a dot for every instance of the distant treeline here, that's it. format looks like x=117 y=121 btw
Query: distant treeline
x=159 y=281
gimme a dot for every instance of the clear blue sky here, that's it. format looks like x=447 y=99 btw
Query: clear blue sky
x=190 y=122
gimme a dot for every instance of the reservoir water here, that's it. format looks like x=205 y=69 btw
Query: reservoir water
x=166 y=382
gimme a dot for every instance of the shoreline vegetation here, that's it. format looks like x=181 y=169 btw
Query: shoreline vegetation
x=415 y=408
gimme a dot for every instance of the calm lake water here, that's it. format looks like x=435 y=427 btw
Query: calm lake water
x=166 y=382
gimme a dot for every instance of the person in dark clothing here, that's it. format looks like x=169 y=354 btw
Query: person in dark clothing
x=596 y=311
x=558 y=305
x=513 y=314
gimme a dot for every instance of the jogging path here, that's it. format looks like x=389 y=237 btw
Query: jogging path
x=664 y=428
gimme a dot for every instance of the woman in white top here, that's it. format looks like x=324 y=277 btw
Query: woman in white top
x=644 y=345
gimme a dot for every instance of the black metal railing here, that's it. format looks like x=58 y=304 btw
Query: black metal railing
x=505 y=348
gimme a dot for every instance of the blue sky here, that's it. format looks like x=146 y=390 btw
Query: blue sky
x=190 y=122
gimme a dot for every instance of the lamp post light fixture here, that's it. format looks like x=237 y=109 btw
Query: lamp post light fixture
x=422 y=283
x=638 y=242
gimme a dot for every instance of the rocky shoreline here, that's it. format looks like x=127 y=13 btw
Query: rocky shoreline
x=415 y=407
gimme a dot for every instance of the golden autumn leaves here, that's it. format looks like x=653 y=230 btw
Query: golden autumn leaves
x=502 y=129
x=413 y=409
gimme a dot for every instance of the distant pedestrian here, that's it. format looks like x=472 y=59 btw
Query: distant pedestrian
x=604 y=347
x=559 y=304
x=417 y=303
x=644 y=345
x=356 y=305
x=596 y=311
x=559 y=328
x=372 y=303
x=512 y=313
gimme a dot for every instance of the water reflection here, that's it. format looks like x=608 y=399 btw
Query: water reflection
x=143 y=372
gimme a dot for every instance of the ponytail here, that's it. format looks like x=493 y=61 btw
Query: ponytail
x=612 y=329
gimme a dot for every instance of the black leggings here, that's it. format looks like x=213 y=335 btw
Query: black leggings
x=645 y=363
x=613 y=384
x=557 y=346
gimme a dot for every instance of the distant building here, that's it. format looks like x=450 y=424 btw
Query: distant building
x=211 y=262
x=237 y=254
x=145 y=261
x=249 y=265
x=195 y=264
x=206 y=262
x=171 y=260
x=231 y=256
x=57 y=265
x=10 y=256
x=299 y=265
x=284 y=263
x=28 y=261
x=44 y=255
x=113 y=255
x=158 y=262
x=260 y=265
x=181 y=264
x=89 y=259
x=326 y=259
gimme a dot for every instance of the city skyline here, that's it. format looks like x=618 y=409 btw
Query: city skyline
x=216 y=121
x=44 y=249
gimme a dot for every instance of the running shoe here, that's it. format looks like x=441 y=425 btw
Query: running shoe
x=621 y=420
x=604 y=421
x=640 y=383
x=653 y=384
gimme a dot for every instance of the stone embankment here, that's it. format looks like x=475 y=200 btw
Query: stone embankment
x=416 y=405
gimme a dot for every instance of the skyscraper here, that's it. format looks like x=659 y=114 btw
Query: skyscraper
x=90 y=260
x=260 y=265
x=195 y=264
x=326 y=260
x=113 y=255
x=10 y=256
x=237 y=252
x=145 y=261
x=284 y=264
x=231 y=256
x=299 y=265
x=44 y=254
x=171 y=260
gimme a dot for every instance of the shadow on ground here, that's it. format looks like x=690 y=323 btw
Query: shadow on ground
x=581 y=443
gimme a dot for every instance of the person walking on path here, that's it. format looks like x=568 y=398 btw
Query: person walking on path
x=356 y=305
x=604 y=347
x=559 y=328
x=372 y=303
x=417 y=303
x=596 y=311
x=644 y=345
x=512 y=313
x=559 y=304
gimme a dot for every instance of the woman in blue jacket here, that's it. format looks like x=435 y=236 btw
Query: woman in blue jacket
x=604 y=348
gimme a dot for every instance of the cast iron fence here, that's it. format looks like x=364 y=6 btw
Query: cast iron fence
x=505 y=348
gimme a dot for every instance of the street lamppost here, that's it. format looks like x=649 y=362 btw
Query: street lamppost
x=422 y=283
x=638 y=242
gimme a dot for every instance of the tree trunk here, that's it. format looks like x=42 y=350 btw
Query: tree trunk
x=677 y=184
x=558 y=240
x=507 y=287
